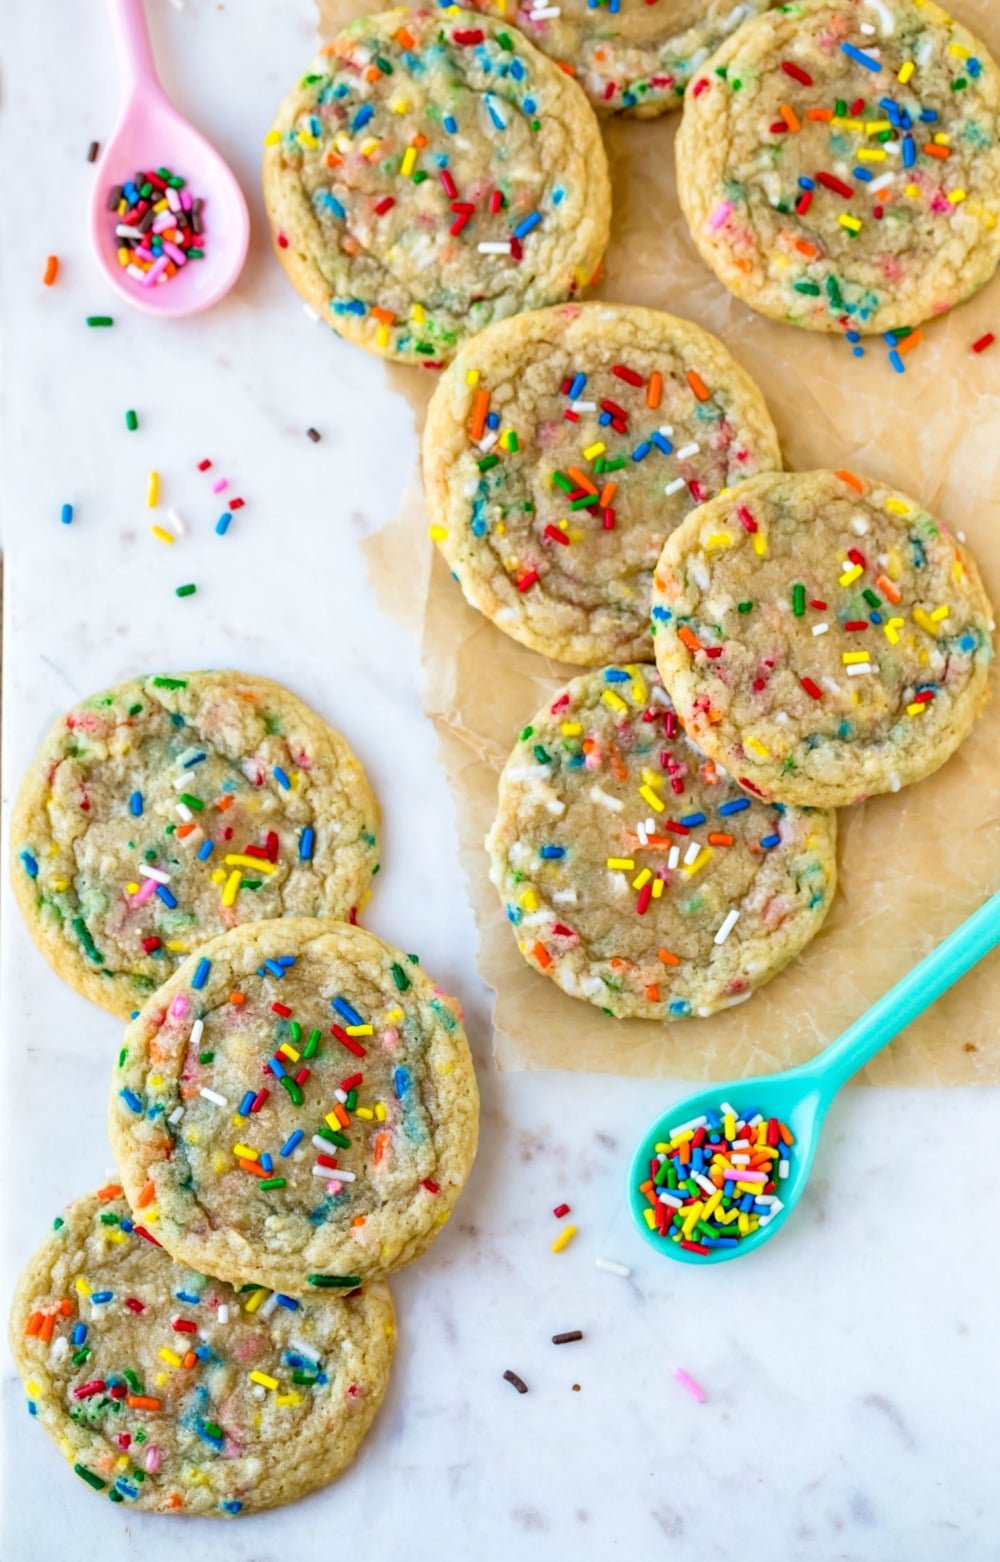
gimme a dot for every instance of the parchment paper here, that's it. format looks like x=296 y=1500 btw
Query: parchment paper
x=912 y=866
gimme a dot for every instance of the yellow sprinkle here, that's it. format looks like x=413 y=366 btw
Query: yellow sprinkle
x=472 y=376
x=924 y=620
x=853 y=224
x=437 y=533
x=221 y=1162
x=757 y=747
x=942 y=138
x=621 y=864
x=571 y=729
x=849 y=658
x=912 y=190
x=641 y=879
x=850 y=574
x=400 y=105
x=917 y=708
x=288 y=1399
x=369 y=146
x=905 y=71
x=957 y=196
x=716 y=540
x=596 y=449
x=289 y=1051
x=169 y=1356
x=759 y=541
x=272 y=138
x=529 y=900
x=657 y=888
x=614 y=700
x=875 y=127
x=959 y=51
x=652 y=779
x=82 y=1286
x=306 y=138
x=939 y=613
x=381 y=1111
x=364 y=1112
x=132 y=888
x=409 y=162
x=871 y=154
x=263 y=1379
x=162 y=535
x=507 y=439
x=729 y=1126
x=705 y=855
x=564 y=1238
x=360 y=1030
x=394 y=1016
x=899 y=506
x=232 y=888
x=648 y=795
x=382 y=335
x=152 y=490
x=258 y=864
x=649 y=1217
x=848 y=124
x=253 y=1302
x=418 y=314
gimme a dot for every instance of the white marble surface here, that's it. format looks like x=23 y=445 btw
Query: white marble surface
x=850 y=1370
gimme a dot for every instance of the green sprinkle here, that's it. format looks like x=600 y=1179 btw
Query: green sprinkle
x=131 y=421
x=82 y=932
x=272 y=1182
x=350 y=1101
x=487 y=462
x=615 y=465
x=504 y=40
x=337 y=1282
x=526 y=733
x=304 y=1377
x=312 y=1045
x=294 y=1031
x=541 y=755
x=798 y=599
x=333 y=1137
x=744 y=607
x=871 y=597
x=133 y=1380
x=806 y=287
x=169 y=683
x=400 y=978
x=213 y=1429
x=192 y=801
x=93 y=320
x=833 y=293
x=206 y=1057
x=562 y=481
x=512 y=444
x=135 y=710
x=79 y=1357
x=91 y=1478
x=586 y=503
x=294 y=1089
x=186 y=591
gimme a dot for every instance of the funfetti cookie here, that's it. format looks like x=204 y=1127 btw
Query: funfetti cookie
x=629 y=56
x=431 y=173
x=296 y=1106
x=634 y=873
x=821 y=636
x=839 y=163
x=171 y=1392
x=562 y=447
x=169 y=808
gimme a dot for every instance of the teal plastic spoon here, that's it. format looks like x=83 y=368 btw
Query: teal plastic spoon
x=801 y=1096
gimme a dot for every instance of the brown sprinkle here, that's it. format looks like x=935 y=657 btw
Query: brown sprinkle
x=519 y=1383
x=568 y=1338
x=314 y=435
x=92 y=151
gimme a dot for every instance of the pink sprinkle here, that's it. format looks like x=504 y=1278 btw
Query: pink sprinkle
x=142 y=894
x=152 y=1460
x=176 y=255
x=155 y=271
x=689 y=1385
x=180 y=1006
x=743 y=1174
x=220 y=484
x=721 y=215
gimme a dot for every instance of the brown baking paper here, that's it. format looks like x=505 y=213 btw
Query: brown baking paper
x=912 y=866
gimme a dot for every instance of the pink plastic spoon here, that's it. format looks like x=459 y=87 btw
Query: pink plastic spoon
x=150 y=132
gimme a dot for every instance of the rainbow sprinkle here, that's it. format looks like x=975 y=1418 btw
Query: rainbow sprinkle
x=159 y=225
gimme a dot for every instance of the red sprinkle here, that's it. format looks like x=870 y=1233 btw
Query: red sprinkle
x=560 y=1210
x=836 y=185
x=282 y=1009
x=984 y=342
x=347 y=1041
x=628 y=375
x=468 y=35
x=811 y=688
x=797 y=73
x=430 y=1185
x=556 y=535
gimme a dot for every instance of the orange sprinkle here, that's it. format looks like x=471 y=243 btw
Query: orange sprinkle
x=185 y=829
x=618 y=767
x=906 y=344
x=851 y=481
x=564 y=65
x=65 y=1306
x=51 y=270
x=34 y=1323
x=381 y=1140
x=372 y=73
x=720 y=840
x=252 y=1166
x=189 y=1359
x=48 y=1324
x=595 y=274
x=358 y=1220
x=819 y=113
x=237 y=997
x=386 y=316
x=607 y=494
x=689 y=638
x=654 y=390
x=786 y=1135
x=805 y=248
x=332 y=160
x=480 y=407
x=666 y=957
x=936 y=151
x=341 y=1116
x=147 y=1195
x=405 y=39
x=225 y=802
x=143 y=1402
x=581 y=479
x=588 y=745
x=889 y=589
x=112 y=1190
x=419 y=139
x=685 y=1153
x=542 y=956
x=618 y=964
x=175 y=1500
x=698 y=385
x=653 y=993
x=790 y=117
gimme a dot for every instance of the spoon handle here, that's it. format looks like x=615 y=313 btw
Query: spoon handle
x=938 y=971
x=135 y=52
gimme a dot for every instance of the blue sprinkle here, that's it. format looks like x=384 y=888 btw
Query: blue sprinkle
x=735 y=806
x=191 y=1297
x=909 y=151
x=290 y=1143
x=662 y=443
x=131 y=1100
x=276 y=1068
x=805 y=183
x=450 y=124
x=767 y=841
x=604 y=419
x=66 y=514
x=929 y=116
x=79 y=1333
x=400 y=1082
x=135 y=804
x=553 y=852
x=662 y=615
x=126 y=1488
x=974 y=66
x=275 y=969
x=102 y=1296
x=222 y=524
x=168 y=899
x=497 y=118
x=867 y=60
x=864 y=174
x=576 y=389
x=286 y=960
x=641 y=450
x=692 y=819
x=361 y=118
x=281 y=776
x=875 y=618
x=529 y=105
x=232 y=1506
x=346 y=1012
x=200 y=976
x=205 y=850
x=897 y=362
x=266 y=1161
x=126 y=1225
x=286 y=1301
x=967 y=643
x=306 y=842
x=493 y=420
x=615 y=675
x=203 y=1352
x=30 y=864
x=243 y=1110
x=214 y=1442
x=527 y=226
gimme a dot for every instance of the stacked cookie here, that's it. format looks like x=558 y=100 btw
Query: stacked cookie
x=293 y=1109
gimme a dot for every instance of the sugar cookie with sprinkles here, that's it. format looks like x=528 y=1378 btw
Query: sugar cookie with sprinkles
x=821 y=636
x=560 y=450
x=839 y=164
x=634 y=873
x=170 y=808
x=296 y=1106
x=172 y=1392
x=431 y=173
x=629 y=56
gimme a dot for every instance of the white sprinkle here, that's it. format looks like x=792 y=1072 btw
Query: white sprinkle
x=583 y=406
x=196 y=1030
x=610 y=1267
x=185 y=813
x=176 y=1115
x=692 y=854
x=311 y=312
x=341 y=1096
x=830 y=684
x=641 y=832
x=857 y=668
x=881 y=183
x=213 y=1096
x=59 y=1347
x=494 y=247
x=729 y=922
x=303 y=1350
x=333 y=1173
x=544 y=14
x=606 y=800
x=783 y=1169
x=859 y=525
x=178 y=525
x=323 y=1145
x=672 y=1199
x=673 y=856
x=682 y=1128
x=488 y=440
x=820 y=629
x=157 y=874
x=676 y=486
x=223 y=1313
x=125 y=230
x=666 y=429
x=704 y=1183
x=268 y=1307
x=894 y=782
x=727 y=1108
x=686 y=451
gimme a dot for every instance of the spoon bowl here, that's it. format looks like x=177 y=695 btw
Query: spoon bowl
x=150 y=133
x=800 y=1097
